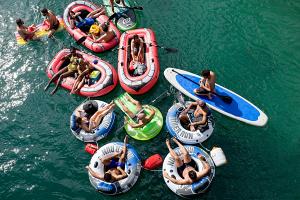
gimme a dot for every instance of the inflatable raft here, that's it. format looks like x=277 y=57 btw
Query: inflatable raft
x=98 y=133
x=239 y=109
x=146 y=132
x=132 y=168
x=124 y=23
x=86 y=7
x=104 y=75
x=176 y=129
x=189 y=191
x=142 y=83
x=42 y=30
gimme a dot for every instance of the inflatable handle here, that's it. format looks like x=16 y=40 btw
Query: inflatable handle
x=106 y=188
x=201 y=185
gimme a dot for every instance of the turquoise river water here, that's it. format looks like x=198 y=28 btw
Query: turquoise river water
x=253 y=46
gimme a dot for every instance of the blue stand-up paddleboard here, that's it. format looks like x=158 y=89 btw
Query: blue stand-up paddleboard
x=239 y=109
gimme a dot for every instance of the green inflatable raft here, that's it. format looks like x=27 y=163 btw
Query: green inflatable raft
x=124 y=23
x=148 y=131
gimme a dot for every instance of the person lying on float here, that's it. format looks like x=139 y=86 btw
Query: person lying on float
x=76 y=21
x=141 y=117
x=83 y=76
x=88 y=124
x=115 y=170
x=185 y=167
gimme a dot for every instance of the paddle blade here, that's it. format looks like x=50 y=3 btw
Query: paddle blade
x=153 y=162
x=81 y=40
x=137 y=8
x=171 y=50
x=226 y=99
x=180 y=98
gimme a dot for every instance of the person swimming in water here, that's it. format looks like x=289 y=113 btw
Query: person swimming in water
x=53 y=21
x=25 y=31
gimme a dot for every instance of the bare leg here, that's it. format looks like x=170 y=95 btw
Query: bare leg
x=52 y=31
x=111 y=2
x=126 y=110
x=185 y=153
x=75 y=85
x=63 y=70
x=124 y=150
x=97 y=117
x=95 y=13
x=64 y=75
x=178 y=161
x=135 y=102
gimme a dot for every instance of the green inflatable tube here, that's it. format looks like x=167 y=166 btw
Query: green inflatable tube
x=146 y=132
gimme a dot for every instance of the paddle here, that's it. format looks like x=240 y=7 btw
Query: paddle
x=133 y=8
x=81 y=40
x=168 y=49
x=226 y=99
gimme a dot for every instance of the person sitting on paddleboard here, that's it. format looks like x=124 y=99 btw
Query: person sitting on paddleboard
x=108 y=34
x=186 y=167
x=199 y=116
x=207 y=84
x=88 y=124
x=51 y=19
x=84 y=71
x=141 y=117
x=111 y=2
x=116 y=169
x=84 y=24
x=27 y=33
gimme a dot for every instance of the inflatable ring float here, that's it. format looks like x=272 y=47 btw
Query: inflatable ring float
x=196 y=188
x=100 y=132
x=186 y=136
x=132 y=168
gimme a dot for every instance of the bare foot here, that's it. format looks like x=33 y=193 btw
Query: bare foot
x=175 y=140
x=168 y=143
x=87 y=167
x=126 y=139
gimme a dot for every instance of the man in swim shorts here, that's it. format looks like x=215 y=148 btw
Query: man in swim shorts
x=198 y=118
x=184 y=167
x=207 y=84
x=116 y=169
x=141 y=117
x=53 y=21
x=84 y=24
x=24 y=31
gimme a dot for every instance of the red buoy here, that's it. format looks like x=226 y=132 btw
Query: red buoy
x=153 y=162
x=91 y=148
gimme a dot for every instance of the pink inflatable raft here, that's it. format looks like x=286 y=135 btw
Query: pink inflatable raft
x=86 y=7
x=103 y=78
x=142 y=83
